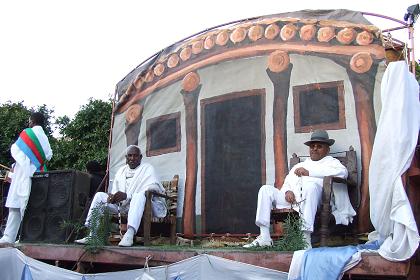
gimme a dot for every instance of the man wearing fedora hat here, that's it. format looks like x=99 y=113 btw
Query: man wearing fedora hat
x=302 y=190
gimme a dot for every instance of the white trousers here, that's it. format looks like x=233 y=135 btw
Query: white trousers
x=270 y=197
x=12 y=226
x=135 y=209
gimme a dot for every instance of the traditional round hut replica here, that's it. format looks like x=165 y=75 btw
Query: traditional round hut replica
x=225 y=109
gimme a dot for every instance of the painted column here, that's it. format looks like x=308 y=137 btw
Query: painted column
x=190 y=92
x=133 y=118
x=134 y=114
x=361 y=71
x=279 y=70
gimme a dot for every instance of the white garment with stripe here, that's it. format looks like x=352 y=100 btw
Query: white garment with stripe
x=20 y=188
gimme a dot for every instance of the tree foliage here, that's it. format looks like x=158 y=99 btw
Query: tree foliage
x=14 y=118
x=80 y=140
x=84 y=138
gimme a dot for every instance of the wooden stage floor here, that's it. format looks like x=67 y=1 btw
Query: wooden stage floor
x=372 y=265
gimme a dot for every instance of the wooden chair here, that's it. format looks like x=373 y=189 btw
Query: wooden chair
x=349 y=161
x=171 y=196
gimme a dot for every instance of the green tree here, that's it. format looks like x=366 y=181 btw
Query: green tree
x=83 y=138
x=14 y=118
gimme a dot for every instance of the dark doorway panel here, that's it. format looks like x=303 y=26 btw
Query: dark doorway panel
x=233 y=160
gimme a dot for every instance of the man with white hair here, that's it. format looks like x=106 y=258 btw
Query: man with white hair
x=130 y=185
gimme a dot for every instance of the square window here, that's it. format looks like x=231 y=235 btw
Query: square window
x=163 y=134
x=319 y=106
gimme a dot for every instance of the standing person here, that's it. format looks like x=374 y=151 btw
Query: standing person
x=129 y=194
x=303 y=185
x=31 y=151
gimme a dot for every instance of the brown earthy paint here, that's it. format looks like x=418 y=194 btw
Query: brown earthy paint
x=222 y=38
x=363 y=96
x=197 y=47
x=149 y=76
x=185 y=53
x=190 y=81
x=271 y=31
x=247 y=51
x=190 y=102
x=281 y=83
x=238 y=35
x=278 y=61
x=346 y=36
x=340 y=124
x=307 y=32
x=173 y=60
x=325 y=34
x=138 y=82
x=288 y=32
x=255 y=33
x=209 y=42
x=133 y=113
x=372 y=265
x=159 y=68
x=364 y=38
x=361 y=62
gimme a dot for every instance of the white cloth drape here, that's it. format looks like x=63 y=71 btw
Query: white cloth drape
x=205 y=267
x=393 y=150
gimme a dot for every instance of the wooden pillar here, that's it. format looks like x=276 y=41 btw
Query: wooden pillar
x=190 y=92
x=279 y=70
x=361 y=72
x=133 y=118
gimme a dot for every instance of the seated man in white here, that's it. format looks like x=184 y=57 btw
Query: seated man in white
x=130 y=185
x=303 y=188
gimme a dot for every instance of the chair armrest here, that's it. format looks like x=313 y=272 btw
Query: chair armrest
x=339 y=180
x=157 y=194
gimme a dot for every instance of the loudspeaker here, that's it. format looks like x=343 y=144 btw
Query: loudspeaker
x=56 y=196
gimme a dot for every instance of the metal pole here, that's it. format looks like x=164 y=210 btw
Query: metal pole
x=110 y=142
x=413 y=59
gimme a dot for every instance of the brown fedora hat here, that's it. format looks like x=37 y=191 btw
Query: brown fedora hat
x=320 y=136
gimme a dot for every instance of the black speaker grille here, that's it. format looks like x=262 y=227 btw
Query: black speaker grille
x=54 y=230
x=60 y=190
x=56 y=197
x=38 y=197
x=33 y=225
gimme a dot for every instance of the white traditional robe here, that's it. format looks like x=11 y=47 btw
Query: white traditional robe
x=20 y=187
x=134 y=182
x=309 y=190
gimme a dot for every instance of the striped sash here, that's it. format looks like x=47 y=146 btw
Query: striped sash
x=29 y=144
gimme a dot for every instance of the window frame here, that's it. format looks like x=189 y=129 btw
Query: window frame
x=340 y=124
x=150 y=122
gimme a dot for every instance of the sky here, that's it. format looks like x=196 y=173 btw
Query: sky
x=61 y=53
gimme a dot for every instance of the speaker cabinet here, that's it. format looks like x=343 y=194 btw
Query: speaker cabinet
x=56 y=196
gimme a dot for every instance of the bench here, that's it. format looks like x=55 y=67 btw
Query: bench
x=348 y=159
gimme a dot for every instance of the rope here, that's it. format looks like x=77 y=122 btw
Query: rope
x=146 y=263
x=299 y=203
x=119 y=219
